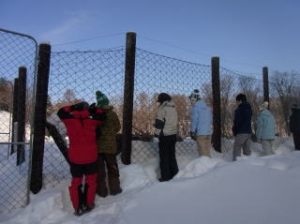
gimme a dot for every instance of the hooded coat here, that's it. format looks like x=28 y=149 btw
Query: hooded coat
x=295 y=121
x=265 y=125
x=242 y=119
x=81 y=129
x=201 y=119
x=166 y=122
x=106 y=142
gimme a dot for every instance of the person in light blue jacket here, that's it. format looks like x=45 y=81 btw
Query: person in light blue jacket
x=201 y=127
x=265 y=131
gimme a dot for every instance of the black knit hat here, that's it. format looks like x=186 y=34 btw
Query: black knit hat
x=195 y=95
x=241 y=97
x=162 y=97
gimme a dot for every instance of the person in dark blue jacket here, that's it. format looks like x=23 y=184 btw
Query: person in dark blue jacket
x=242 y=127
x=295 y=125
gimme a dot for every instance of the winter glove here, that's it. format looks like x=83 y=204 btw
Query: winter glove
x=79 y=106
x=99 y=115
x=92 y=108
x=193 y=135
x=254 y=138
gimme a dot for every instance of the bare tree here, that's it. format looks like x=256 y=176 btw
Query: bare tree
x=226 y=89
x=285 y=87
x=249 y=86
x=183 y=107
x=142 y=121
x=5 y=94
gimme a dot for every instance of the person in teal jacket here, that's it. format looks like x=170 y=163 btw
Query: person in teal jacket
x=265 y=129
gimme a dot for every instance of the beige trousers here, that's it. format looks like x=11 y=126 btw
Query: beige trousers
x=204 y=144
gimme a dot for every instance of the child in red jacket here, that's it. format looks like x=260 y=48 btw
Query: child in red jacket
x=81 y=122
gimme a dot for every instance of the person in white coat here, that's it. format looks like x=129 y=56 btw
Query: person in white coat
x=201 y=126
x=166 y=127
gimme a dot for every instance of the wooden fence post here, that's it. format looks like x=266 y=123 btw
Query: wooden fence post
x=266 y=84
x=215 y=77
x=128 y=98
x=39 y=121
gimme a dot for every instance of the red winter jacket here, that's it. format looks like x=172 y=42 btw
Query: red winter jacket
x=81 y=130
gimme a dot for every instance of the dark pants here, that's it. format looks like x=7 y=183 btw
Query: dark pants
x=108 y=169
x=296 y=137
x=168 y=163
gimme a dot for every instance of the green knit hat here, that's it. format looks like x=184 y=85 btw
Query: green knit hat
x=101 y=99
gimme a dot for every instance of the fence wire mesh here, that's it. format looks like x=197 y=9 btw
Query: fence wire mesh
x=75 y=76
x=231 y=84
x=284 y=92
x=16 y=50
x=154 y=74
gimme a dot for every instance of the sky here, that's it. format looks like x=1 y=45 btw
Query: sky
x=246 y=35
x=253 y=190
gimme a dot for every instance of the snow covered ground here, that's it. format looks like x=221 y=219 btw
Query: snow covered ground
x=210 y=191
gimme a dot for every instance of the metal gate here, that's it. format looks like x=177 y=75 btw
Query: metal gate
x=18 y=60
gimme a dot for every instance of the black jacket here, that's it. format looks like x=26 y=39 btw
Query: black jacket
x=242 y=119
x=295 y=120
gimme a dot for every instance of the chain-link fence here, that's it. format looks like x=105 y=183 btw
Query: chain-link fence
x=283 y=92
x=75 y=76
x=231 y=84
x=155 y=74
x=17 y=62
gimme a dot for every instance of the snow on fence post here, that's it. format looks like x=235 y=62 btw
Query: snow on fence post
x=39 y=121
x=14 y=115
x=128 y=97
x=215 y=80
x=266 y=84
x=21 y=111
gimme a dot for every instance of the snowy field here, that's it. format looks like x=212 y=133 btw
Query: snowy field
x=252 y=190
